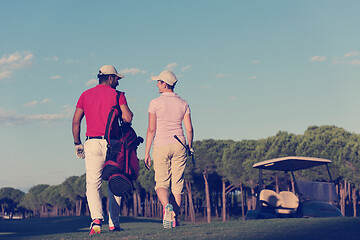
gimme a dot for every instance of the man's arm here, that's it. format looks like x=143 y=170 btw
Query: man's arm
x=76 y=124
x=127 y=115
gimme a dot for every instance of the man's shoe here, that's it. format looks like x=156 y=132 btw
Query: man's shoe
x=116 y=229
x=95 y=227
x=169 y=217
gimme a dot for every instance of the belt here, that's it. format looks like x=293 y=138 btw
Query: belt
x=96 y=137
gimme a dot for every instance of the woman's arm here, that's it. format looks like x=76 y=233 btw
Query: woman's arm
x=149 y=137
x=189 y=129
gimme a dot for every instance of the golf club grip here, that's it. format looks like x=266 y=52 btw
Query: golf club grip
x=186 y=147
x=176 y=137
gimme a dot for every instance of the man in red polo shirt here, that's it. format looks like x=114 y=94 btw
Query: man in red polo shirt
x=95 y=104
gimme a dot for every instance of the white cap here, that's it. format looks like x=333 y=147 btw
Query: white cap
x=109 y=70
x=166 y=76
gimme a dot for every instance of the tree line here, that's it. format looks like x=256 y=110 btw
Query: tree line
x=221 y=184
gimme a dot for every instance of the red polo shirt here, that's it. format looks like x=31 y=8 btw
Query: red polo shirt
x=97 y=103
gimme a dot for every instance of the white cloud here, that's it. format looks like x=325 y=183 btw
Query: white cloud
x=132 y=71
x=46 y=100
x=253 y=77
x=355 y=62
x=340 y=60
x=12 y=118
x=255 y=61
x=54 y=58
x=31 y=104
x=10 y=63
x=352 y=54
x=186 y=68
x=6 y=115
x=232 y=98
x=5 y=74
x=55 y=77
x=92 y=82
x=318 y=58
x=221 y=75
x=35 y=102
x=171 y=66
x=42 y=117
x=68 y=110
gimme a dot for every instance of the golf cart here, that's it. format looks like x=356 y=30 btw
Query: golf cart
x=308 y=198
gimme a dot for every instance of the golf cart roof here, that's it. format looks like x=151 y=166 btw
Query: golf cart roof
x=291 y=163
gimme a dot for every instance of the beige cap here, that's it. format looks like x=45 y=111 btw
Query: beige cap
x=166 y=76
x=109 y=70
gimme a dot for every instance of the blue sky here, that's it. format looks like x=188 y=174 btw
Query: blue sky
x=247 y=68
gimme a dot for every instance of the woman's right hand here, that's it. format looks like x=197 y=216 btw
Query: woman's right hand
x=147 y=161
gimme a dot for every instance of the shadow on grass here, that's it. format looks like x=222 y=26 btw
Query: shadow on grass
x=76 y=228
x=303 y=228
x=17 y=229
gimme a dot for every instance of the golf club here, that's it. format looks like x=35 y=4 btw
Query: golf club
x=187 y=149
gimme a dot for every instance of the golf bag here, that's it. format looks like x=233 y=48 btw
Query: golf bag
x=121 y=165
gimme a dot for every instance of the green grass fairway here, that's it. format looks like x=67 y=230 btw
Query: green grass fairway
x=142 y=228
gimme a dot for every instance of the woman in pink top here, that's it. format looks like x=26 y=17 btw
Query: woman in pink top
x=166 y=115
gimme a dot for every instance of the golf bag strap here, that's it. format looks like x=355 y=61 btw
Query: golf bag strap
x=114 y=115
